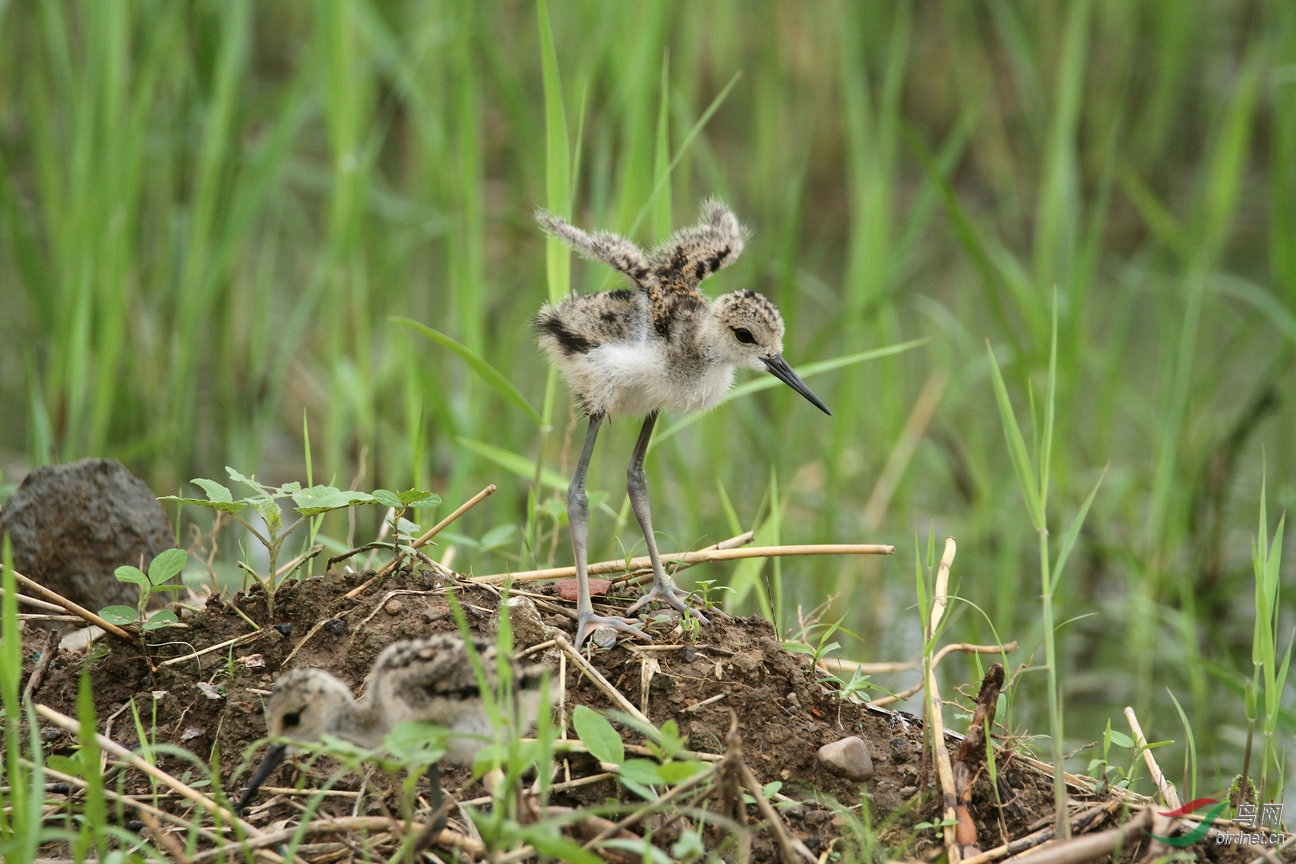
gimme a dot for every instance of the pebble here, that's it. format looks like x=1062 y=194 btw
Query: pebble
x=848 y=758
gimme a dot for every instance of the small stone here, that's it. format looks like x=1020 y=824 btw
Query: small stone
x=393 y=607
x=603 y=637
x=284 y=629
x=336 y=626
x=848 y=758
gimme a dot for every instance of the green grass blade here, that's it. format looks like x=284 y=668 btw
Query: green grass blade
x=488 y=373
x=513 y=463
x=766 y=382
x=1073 y=532
x=1021 y=462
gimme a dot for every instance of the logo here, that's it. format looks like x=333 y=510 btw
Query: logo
x=1197 y=833
x=1248 y=816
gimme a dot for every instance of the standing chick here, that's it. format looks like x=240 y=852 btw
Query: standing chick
x=657 y=346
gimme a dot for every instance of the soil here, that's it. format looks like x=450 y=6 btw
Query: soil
x=209 y=704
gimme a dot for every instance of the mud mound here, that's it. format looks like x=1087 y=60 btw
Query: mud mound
x=198 y=687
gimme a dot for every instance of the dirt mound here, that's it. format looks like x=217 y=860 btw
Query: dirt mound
x=199 y=687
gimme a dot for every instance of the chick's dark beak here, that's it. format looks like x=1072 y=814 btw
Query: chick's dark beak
x=779 y=368
x=268 y=765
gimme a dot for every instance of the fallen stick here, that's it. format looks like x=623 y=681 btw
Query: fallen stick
x=686 y=558
x=79 y=611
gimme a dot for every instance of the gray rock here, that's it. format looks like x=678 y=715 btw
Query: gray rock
x=72 y=525
x=848 y=758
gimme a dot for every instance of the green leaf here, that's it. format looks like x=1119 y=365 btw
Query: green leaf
x=419 y=498
x=556 y=848
x=1073 y=533
x=251 y=483
x=119 y=615
x=215 y=491
x=133 y=575
x=323 y=499
x=158 y=620
x=642 y=771
x=598 y=736
x=231 y=507
x=1122 y=740
x=387 y=499
x=417 y=743
x=167 y=563
x=675 y=773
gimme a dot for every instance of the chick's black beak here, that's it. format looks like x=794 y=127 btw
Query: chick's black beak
x=268 y=765
x=779 y=368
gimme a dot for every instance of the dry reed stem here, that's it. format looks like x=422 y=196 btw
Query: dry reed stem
x=1163 y=785
x=940 y=754
x=119 y=752
x=686 y=559
x=246 y=637
x=426 y=538
x=953 y=647
x=79 y=611
x=597 y=677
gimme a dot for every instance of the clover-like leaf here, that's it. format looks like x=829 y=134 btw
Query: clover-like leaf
x=218 y=497
x=131 y=574
x=119 y=615
x=322 y=499
x=163 y=618
x=388 y=499
x=166 y=564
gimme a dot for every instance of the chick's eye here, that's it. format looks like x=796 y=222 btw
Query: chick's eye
x=292 y=719
x=743 y=335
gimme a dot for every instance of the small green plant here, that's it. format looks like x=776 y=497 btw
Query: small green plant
x=267 y=503
x=859 y=687
x=1108 y=774
x=704 y=589
x=164 y=567
x=821 y=647
x=670 y=766
x=1264 y=693
x=1033 y=481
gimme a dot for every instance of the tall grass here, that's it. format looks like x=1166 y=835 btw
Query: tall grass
x=210 y=214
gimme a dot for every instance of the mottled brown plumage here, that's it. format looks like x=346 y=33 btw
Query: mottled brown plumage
x=430 y=679
x=659 y=345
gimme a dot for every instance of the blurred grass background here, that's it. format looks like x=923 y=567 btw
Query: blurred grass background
x=210 y=213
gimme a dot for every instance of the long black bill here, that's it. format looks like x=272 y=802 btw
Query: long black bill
x=779 y=368
x=268 y=764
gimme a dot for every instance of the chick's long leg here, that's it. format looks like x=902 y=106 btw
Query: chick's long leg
x=663 y=587
x=578 y=523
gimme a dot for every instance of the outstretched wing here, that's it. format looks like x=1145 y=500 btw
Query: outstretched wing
x=612 y=249
x=692 y=254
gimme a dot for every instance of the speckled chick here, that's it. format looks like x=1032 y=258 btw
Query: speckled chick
x=428 y=679
x=656 y=346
